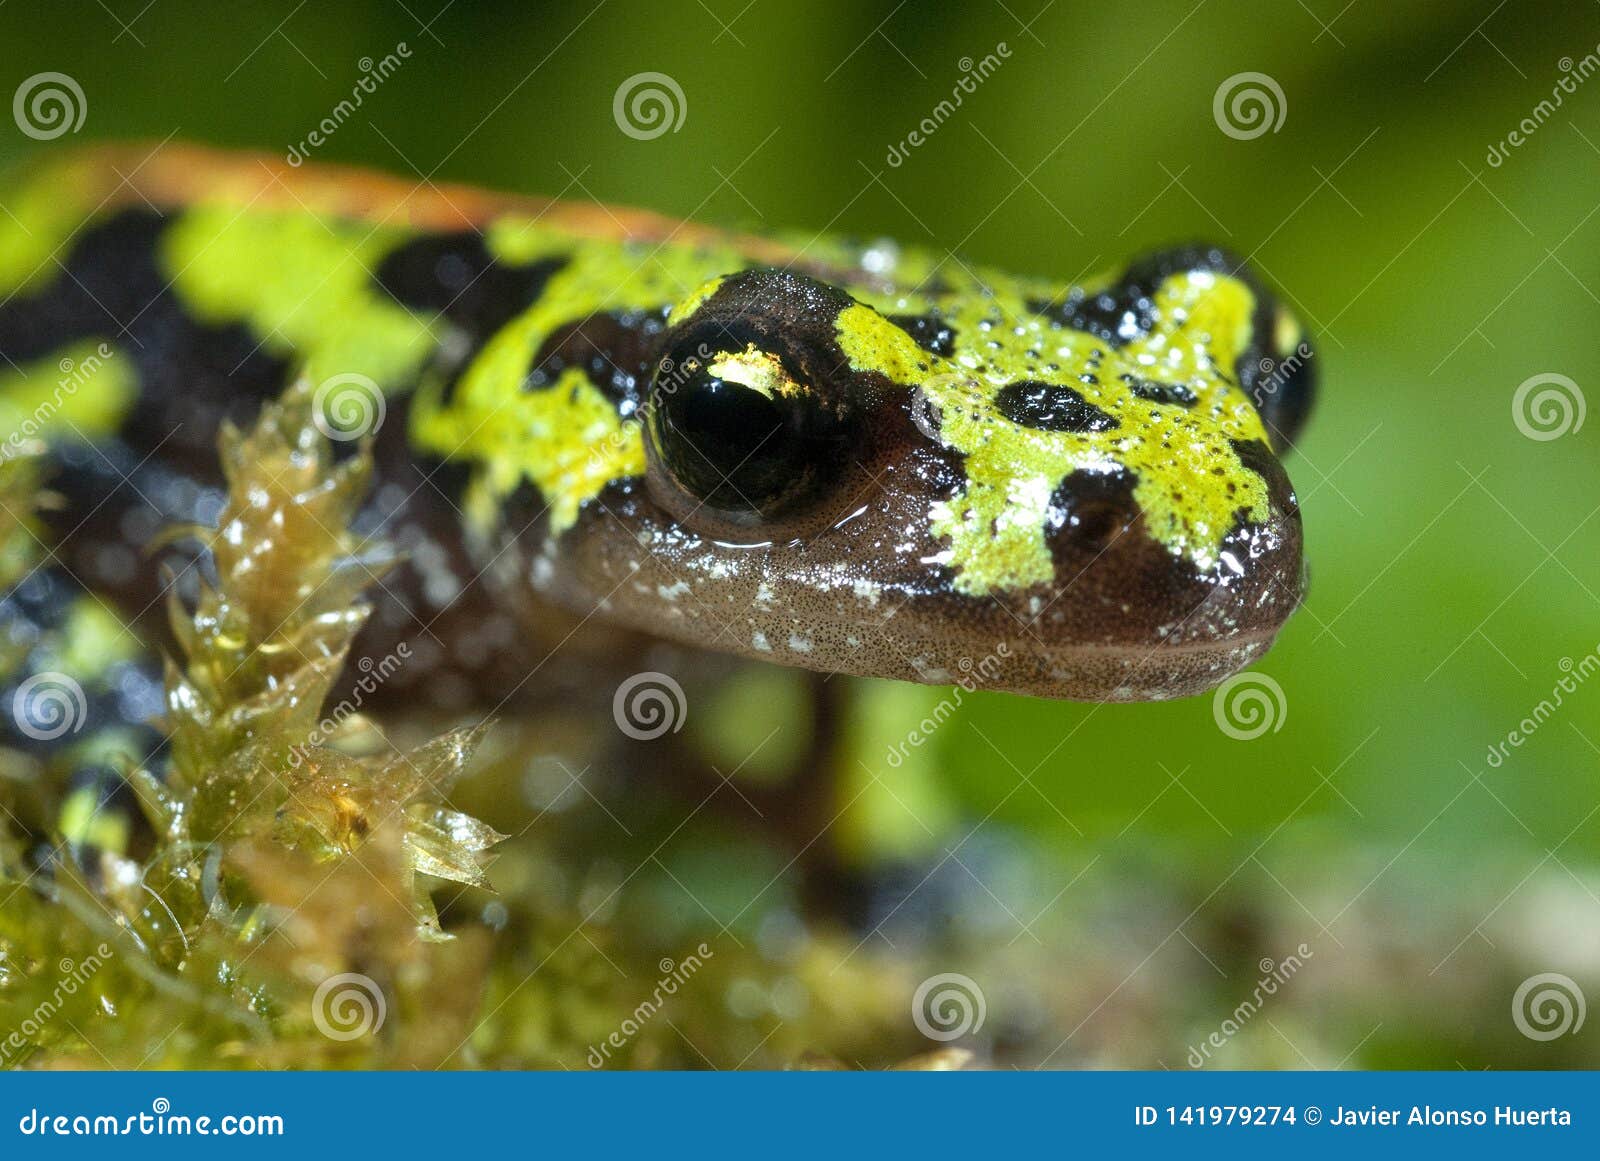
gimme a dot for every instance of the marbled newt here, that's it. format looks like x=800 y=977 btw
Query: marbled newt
x=856 y=458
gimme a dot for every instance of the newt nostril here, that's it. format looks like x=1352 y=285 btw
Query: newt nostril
x=1090 y=510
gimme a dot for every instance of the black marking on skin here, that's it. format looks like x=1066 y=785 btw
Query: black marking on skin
x=524 y=509
x=1115 y=316
x=1174 y=394
x=1284 y=399
x=191 y=375
x=448 y=477
x=35 y=618
x=41 y=602
x=1125 y=311
x=116 y=497
x=616 y=350
x=455 y=277
x=1092 y=508
x=1051 y=407
x=162 y=467
x=929 y=331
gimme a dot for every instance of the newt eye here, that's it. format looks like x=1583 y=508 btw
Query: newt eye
x=752 y=423
x=738 y=432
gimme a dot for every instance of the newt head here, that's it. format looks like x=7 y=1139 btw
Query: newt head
x=1078 y=487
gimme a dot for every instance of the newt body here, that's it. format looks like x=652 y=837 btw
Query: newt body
x=850 y=458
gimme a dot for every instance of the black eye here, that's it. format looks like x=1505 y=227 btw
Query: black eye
x=739 y=431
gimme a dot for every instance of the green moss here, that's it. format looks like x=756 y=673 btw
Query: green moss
x=275 y=861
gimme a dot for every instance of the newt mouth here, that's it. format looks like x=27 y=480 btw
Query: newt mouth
x=1123 y=618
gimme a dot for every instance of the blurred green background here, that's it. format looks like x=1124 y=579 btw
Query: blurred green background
x=1452 y=557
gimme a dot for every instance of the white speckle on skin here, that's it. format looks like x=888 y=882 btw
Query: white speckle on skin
x=764 y=594
x=441 y=588
x=799 y=643
x=867 y=591
x=671 y=593
x=440 y=585
x=759 y=641
x=853 y=641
